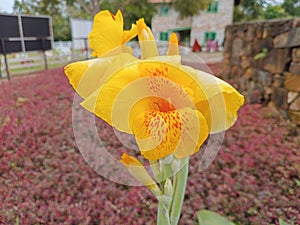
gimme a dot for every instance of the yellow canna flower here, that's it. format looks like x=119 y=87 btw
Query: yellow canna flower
x=107 y=33
x=171 y=109
x=136 y=168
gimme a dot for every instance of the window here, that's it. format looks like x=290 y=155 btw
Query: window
x=209 y=36
x=163 y=10
x=163 y=36
x=213 y=7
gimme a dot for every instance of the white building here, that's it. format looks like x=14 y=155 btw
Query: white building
x=208 y=24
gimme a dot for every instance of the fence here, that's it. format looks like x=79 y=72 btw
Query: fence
x=26 y=63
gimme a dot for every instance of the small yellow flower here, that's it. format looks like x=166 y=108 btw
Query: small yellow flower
x=108 y=34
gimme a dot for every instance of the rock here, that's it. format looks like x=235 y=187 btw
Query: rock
x=292 y=96
x=281 y=40
x=265 y=33
x=245 y=62
x=288 y=39
x=236 y=51
x=278 y=81
x=259 y=31
x=295 y=104
x=249 y=73
x=276 y=60
x=265 y=78
x=280 y=98
x=259 y=45
x=294 y=116
x=292 y=82
x=250 y=34
x=295 y=68
x=255 y=92
x=296 y=55
x=248 y=49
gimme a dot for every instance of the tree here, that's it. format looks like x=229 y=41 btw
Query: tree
x=53 y=8
x=89 y=7
x=62 y=11
x=188 y=8
x=292 y=7
x=275 y=11
x=132 y=10
x=247 y=10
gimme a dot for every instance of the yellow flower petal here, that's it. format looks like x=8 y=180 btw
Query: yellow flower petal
x=173 y=45
x=220 y=103
x=146 y=40
x=87 y=76
x=129 y=34
x=107 y=32
x=160 y=134
x=136 y=168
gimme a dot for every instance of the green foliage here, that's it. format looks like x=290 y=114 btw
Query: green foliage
x=188 y=8
x=281 y=222
x=61 y=11
x=247 y=10
x=206 y=217
x=53 y=8
x=132 y=10
x=238 y=14
x=292 y=7
x=276 y=11
x=262 y=54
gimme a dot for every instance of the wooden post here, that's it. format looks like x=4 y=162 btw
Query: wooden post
x=5 y=57
x=44 y=54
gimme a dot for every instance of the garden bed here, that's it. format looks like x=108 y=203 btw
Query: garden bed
x=255 y=179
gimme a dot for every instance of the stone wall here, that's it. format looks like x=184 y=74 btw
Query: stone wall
x=275 y=77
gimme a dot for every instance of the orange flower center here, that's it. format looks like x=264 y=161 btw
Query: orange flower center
x=163 y=105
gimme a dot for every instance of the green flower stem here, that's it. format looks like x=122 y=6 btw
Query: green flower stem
x=163 y=214
x=179 y=186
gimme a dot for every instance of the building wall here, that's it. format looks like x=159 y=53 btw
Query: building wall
x=204 y=22
x=214 y=22
x=166 y=23
x=273 y=78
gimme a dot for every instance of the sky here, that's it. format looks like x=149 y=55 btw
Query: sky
x=6 y=6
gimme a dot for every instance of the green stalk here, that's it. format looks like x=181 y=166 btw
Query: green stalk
x=179 y=186
x=163 y=214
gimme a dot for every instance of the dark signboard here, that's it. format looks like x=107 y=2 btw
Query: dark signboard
x=35 y=26
x=21 y=33
x=9 y=26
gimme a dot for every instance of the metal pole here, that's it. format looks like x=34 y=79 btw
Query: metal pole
x=5 y=57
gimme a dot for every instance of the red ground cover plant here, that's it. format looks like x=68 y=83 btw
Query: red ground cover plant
x=45 y=180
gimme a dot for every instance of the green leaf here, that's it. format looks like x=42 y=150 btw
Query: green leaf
x=206 y=217
x=262 y=54
x=281 y=222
